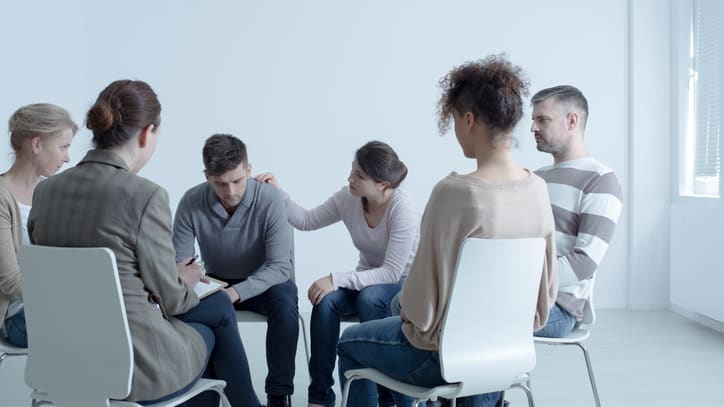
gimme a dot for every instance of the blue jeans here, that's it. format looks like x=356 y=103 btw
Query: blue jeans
x=214 y=318
x=279 y=305
x=560 y=324
x=16 y=330
x=369 y=304
x=382 y=345
x=395 y=306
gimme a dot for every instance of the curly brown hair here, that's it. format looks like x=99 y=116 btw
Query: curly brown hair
x=492 y=89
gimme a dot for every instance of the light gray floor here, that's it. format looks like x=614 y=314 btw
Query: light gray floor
x=653 y=358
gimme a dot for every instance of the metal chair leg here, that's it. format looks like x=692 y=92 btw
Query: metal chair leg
x=590 y=373
x=345 y=390
x=527 y=392
x=304 y=336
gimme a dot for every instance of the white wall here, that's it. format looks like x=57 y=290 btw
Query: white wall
x=650 y=176
x=306 y=83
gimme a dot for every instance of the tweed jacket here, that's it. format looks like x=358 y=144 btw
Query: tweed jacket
x=99 y=203
x=11 y=237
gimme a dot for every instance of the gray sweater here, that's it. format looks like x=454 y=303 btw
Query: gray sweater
x=252 y=245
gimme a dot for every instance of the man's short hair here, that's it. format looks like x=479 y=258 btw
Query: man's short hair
x=223 y=153
x=566 y=95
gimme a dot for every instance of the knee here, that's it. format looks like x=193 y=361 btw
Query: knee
x=328 y=305
x=221 y=303
x=395 y=306
x=372 y=304
x=283 y=306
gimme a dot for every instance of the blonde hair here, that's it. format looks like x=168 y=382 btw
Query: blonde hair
x=38 y=120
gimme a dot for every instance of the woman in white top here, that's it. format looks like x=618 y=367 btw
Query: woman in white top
x=384 y=227
x=40 y=135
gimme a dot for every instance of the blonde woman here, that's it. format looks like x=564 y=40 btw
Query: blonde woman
x=40 y=136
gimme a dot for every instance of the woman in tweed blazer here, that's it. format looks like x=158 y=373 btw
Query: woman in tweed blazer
x=102 y=202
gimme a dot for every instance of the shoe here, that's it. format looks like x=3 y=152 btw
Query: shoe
x=278 y=401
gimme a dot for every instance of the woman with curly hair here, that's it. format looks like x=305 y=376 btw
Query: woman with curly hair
x=499 y=199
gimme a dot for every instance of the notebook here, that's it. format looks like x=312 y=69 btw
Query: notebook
x=204 y=289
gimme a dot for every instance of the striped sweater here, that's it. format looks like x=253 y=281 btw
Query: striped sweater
x=586 y=199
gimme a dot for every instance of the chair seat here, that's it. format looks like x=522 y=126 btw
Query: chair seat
x=9 y=349
x=417 y=392
x=202 y=385
x=447 y=391
x=249 y=316
x=577 y=335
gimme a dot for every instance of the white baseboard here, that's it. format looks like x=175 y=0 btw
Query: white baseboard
x=696 y=317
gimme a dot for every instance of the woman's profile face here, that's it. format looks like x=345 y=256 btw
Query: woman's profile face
x=360 y=184
x=53 y=152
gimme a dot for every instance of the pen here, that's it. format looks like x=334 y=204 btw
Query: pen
x=193 y=259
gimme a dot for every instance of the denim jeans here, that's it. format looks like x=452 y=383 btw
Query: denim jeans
x=279 y=305
x=560 y=324
x=371 y=303
x=395 y=306
x=16 y=330
x=215 y=319
x=382 y=345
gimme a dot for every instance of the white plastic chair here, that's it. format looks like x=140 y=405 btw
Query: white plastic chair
x=486 y=338
x=245 y=316
x=576 y=338
x=8 y=349
x=79 y=344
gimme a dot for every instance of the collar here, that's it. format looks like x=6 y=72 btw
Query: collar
x=246 y=200
x=104 y=157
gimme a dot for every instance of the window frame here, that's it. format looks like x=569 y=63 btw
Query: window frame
x=684 y=121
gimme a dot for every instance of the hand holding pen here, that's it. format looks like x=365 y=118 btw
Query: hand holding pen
x=203 y=278
x=189 y=272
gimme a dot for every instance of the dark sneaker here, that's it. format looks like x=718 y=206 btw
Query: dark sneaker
x=278 y=401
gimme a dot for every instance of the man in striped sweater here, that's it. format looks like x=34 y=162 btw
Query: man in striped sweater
x=586 y=200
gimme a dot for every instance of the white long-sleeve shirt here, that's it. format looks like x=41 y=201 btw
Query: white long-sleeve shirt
x=385 y=251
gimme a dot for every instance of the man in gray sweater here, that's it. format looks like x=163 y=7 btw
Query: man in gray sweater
x=242 y=231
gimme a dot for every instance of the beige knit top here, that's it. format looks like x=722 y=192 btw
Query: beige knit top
x=462 y=206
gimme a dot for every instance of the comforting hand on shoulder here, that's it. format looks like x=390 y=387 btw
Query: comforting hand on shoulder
x=267 y=178
x=319 y=289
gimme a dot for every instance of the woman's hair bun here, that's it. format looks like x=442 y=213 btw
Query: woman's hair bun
x=102 y=116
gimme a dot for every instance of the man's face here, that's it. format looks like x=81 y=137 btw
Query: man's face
x=550 y=127
x=230 y=186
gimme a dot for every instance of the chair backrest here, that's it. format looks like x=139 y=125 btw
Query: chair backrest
x=79 y=344
x=486 y=339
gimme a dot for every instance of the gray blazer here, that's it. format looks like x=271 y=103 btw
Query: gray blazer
x=99 y=203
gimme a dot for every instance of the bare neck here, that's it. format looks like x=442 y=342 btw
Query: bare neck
x=378 y=202
x=574 y=150
x=495 y=162
x=22 y=178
